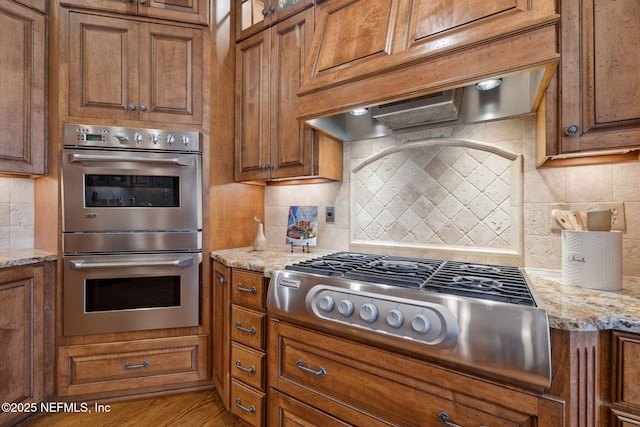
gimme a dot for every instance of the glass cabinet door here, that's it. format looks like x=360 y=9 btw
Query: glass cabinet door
x=255 y=15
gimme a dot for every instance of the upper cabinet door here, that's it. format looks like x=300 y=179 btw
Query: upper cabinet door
x=103 y=67
x=22 y=89
x=153 y=71
x=194 y=11
x=170 y=74
x=253 y=16
x=599 y=75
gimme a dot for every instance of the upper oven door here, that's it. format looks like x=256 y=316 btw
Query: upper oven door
x=130 y=191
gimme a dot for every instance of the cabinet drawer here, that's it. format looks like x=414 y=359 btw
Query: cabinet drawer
x=248 y=365
x=248 y=289
x=628 y=363
x=308 y=365
x=247 y=403
x=124 y=365
x=247 y=327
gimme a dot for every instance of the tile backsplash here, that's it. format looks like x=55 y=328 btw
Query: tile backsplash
x=540 y=246
x=16 y=213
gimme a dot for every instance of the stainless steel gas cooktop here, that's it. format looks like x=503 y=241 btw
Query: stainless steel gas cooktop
x=480 y=316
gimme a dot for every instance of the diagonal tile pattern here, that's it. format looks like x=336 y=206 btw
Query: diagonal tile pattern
x=436 y=196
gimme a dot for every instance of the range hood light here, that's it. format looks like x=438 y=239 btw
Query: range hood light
x=359 y=111
x=488 y=84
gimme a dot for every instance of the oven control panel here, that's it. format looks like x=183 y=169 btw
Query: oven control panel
x=115 y=137
x=428 y=323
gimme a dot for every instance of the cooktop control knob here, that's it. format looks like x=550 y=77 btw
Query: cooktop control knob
x=326 y=303
x=369 y=312
x=137 y=138
x=395 y=318
x=171 y=139
x=154 y=138
x=420 y=323
x=345 y=307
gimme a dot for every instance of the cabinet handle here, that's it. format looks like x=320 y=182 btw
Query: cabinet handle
x=321 y=372
x=131 y=107
x=253 y=290
x=263 y=167
x=142 y=106
x=271 y=167
x=239 y=327
x=222 y=280
x=251 y=370
x=251 y=410
x=264 y=12
x=571 y=130
x=143 y=365
x=272 y=8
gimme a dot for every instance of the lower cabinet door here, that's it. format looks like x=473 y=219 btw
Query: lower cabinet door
x=286 y=411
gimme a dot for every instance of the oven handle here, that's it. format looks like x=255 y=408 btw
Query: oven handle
x=84 y=265
x=180 y=161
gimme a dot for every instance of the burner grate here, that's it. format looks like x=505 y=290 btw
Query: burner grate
x=396 y=271
x=491 y=282
x=333 y=265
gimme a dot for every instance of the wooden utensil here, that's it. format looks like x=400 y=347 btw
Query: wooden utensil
x=563 y=219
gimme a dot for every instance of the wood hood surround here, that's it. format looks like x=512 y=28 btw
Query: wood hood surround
x=368 y=52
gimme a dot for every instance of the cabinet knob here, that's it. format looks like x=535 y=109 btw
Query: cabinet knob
x=272 y=8
x=142 y=1
x=142 y=107
x=131 y=107
x=271 y=167
x=263 y=167
x=264 y=12
x=571 y=130
x=222 y=280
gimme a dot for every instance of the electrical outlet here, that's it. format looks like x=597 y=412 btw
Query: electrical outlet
x=617 y=214
x=330 y=214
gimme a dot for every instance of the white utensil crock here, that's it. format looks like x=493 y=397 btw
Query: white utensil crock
x=592 y=259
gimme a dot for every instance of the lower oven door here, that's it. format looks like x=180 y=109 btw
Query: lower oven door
x=130 y=292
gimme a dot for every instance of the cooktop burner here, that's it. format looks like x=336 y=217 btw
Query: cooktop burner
x=485 y=281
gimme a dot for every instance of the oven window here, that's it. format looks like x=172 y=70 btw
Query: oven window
x=132 y=293
x=131 y=190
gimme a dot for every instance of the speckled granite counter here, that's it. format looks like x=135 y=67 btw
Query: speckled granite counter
x=18 y=257
x=273 y=258
x=569 y=307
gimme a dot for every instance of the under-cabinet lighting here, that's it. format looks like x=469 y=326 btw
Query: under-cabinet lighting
x=488 y=84
x=590 y=154
x=359 y=111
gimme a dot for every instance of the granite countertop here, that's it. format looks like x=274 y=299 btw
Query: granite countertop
x=19 y=257
x=569 y=307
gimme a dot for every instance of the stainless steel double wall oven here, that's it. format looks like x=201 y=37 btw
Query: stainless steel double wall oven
x=132 y=228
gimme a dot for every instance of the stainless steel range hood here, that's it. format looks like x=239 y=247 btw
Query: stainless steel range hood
x=518 y=94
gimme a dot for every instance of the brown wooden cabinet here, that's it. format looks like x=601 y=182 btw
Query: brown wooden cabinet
x=248 y=332
x=625 y=393
x=362 y=385
x=271 y=143
x=253 y=16
x=23 y=141
x=592 y=104
x=221 y=283
x=134 y=70
x=194 y=11
x=25 y=323
x=118 y=366
x=360 y=38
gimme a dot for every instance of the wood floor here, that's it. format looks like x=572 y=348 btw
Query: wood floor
x=203 y=408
